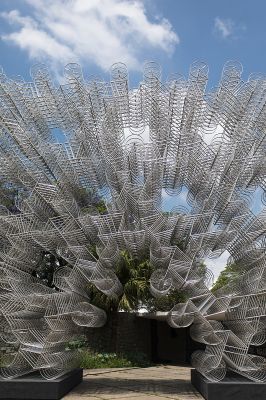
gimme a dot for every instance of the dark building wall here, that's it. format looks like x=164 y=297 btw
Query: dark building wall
x=125 y=332
x=258 y=350
x=170 y=345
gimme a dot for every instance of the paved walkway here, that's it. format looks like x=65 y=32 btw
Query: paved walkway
x=154 y=383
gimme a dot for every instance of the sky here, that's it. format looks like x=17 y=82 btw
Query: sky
x=98 y=33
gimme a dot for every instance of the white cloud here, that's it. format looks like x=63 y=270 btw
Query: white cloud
x=96 y=32
x=36 y=41
x=224 y=27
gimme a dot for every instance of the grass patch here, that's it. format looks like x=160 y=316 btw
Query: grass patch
x=90 y=360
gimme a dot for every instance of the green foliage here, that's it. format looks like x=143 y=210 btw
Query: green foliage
x=99 y=299
x=49 y=262
x=181 y=244
x=202 y=269
x=89 y=360
x=230 y=272
x=5 y=359
x=47 y=266
x=166 y=303
x=134 y=274
x=9 y=193
x=138 y=359
x=92 y=249
x=101 y=207
x=89 y=200
x=82 y=197
x=76 y=344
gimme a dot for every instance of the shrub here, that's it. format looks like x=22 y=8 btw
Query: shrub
x=76 y=344
x=92 y=360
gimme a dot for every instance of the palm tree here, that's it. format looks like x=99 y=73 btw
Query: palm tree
x=134 y=274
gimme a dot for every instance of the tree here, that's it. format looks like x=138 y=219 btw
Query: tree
x=49 y=262
x=167 y=302
x=47 y=266
x=86 y=200
x=230 y=272
x=9 y=194
x=134 y=274
x=89 y=200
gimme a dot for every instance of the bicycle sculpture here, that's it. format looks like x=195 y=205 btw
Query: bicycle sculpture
x=128 y=146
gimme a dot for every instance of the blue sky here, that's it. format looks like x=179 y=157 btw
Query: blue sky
x=97 y=33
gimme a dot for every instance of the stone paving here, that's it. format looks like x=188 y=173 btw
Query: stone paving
x=154 y=383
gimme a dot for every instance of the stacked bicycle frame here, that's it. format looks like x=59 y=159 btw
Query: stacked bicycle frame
x=134 y=148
